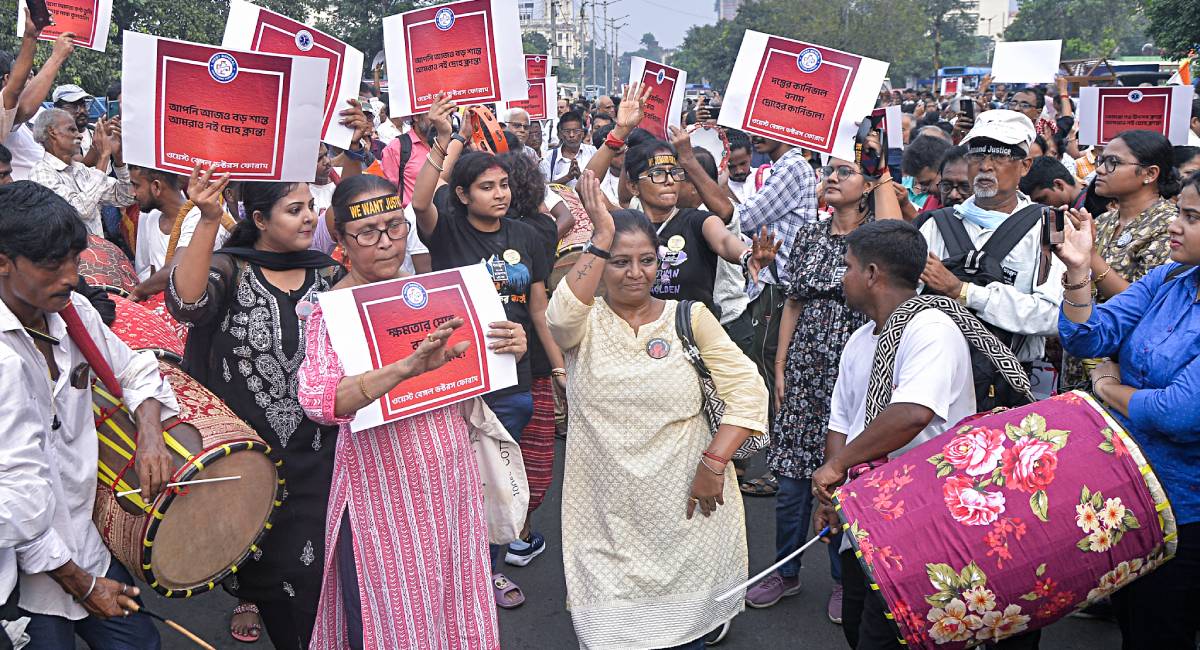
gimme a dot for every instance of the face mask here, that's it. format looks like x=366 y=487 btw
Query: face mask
x=986 y=219
x=917 y=200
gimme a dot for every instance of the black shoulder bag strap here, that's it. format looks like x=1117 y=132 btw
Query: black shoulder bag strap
x=405 y=154
x=954 y=234
x=1012 y=231
x=1178 y=271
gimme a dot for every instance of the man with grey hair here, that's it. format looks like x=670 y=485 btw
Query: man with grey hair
x=987 y=252
x=85 y=188
x=516 y=121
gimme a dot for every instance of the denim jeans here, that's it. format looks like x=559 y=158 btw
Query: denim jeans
x=133 y=632
x=514 y=412
x=793 y=514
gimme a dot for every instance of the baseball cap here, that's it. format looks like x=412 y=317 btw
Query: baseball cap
x=69 y=93
x=1002 y=125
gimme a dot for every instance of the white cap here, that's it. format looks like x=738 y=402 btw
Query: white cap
x=1002 y=125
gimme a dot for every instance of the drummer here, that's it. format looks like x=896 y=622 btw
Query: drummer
x=69 y=582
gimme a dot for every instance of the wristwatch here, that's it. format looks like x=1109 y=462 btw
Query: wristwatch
x=962 y=293
x=460 y=138
x=593 y=249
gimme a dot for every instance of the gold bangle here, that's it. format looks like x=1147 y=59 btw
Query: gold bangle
x=704 y=462
x=1100 y=278
x=1066 y=284
x=362 y=386
x=435 y=165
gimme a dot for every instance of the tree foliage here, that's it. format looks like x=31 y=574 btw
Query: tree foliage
x=1088 y=28
x=1174 y=25
x=535 y=43
x=898 y=31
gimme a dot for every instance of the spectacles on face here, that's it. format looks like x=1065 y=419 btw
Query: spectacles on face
x=1110 y=163
x=572 y=132
x=978 y=158
x=945 y=187
x=1020 y=106
x=396 y=230
x=658 y=175
x=518 y=126
x=843 y=171
x=924 y=187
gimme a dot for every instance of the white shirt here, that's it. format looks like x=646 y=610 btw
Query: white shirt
x=26 y=152
x=85 y=188
x=555 y=165
x=933 y=369
x=1023 y=307
x=65 y=459
x=744 y=189
x=151 y=253
x=413 y=243
x=611 y=186
x=386 y=132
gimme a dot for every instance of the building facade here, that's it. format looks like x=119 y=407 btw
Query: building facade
x=557 y=20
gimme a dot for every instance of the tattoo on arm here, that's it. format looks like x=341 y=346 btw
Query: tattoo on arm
x=584 y=271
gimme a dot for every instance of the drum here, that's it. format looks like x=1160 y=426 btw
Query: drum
x=190 y=538
x=1008 y=522
x=712 y=139
x=102 y=264
x=573 y=242
x=143 y=329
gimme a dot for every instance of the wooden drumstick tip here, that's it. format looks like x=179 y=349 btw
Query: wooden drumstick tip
x=173 y=625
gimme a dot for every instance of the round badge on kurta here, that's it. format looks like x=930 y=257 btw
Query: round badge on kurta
x=676 y=243
x=658 y=348
x=512 y=257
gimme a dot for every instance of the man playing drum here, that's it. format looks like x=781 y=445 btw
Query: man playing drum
x=69 y=583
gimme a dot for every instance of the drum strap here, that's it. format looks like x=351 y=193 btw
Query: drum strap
x=80 y=337
x=879 y=388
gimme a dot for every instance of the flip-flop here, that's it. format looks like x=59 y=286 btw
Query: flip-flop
x=502 y=587
x=255 y=628
x=763 y=486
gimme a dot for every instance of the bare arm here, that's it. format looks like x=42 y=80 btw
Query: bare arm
x=427 y=179
x=584 y=277
x=191 y=276
x=787 y=329
x=715 y=199
x=37 y=89
x=564 y=219
x=22 y=66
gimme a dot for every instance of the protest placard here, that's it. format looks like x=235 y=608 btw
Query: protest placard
x=256 y=116
x=664 y=106
x=87 y=19
x=542 y=89
x=800 y=93
x=1026 y=62
x=377 y=324
x=469 y=49
x=538 y=65
x=950 y=85
x=254 y=29
x=1105 y=112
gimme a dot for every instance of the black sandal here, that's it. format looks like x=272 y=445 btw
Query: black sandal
x=763 y=486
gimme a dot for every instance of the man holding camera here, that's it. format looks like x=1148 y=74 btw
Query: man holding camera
x=989 y=252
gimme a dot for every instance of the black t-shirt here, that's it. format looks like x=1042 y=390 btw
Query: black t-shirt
x=454 y=242
x=547 y=229
x=688 y=266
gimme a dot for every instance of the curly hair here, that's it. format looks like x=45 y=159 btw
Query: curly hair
x=525 y=181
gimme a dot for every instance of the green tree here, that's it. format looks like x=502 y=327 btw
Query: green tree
x=535 y=43
x=1174 y=25
x=1088 y=28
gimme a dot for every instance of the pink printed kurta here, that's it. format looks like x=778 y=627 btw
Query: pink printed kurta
x=413 y=493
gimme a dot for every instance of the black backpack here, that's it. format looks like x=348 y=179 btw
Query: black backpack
x=983 y=267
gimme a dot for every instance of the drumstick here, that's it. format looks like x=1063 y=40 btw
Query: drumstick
x=765 y=572
x=185 y=483
x=174 y=626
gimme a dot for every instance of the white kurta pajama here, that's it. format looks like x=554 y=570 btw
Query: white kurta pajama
x=639 y=573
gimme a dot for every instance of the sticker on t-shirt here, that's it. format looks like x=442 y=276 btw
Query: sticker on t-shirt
x=670 y=257
x=1010 y=275
x=676 y=243
x=512 y=280
x=512 y=257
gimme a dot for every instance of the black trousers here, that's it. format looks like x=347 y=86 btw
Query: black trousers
x=1161 y=611
x=867 y=628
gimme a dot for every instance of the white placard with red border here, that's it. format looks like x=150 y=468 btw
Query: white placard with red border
x=664 y=106
x=87 y=19
x=254 y=29
x=951 y=85
x=1105 y=112
x=1026 y=62
x=377 y=324
x=470 y=49
x=800 y=93
x=542 y=88
x=893 y=126
x=256 y=116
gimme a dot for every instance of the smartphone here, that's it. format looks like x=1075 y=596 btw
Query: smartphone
x=40 y=14
x=966 y=107
x=1055 y=224
x=714 y=112
x=113 y=109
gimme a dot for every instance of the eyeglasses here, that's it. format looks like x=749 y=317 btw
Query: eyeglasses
x=978 y=158
x=843 y=171
x=1020 y=106
x=1110 y=163
x=518 y=126
x=571 y=131
x=397 y=229
x=945 y=187
x=658 y=175
x=924 y=188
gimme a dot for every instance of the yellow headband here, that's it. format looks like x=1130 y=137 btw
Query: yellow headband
x=373 y=207
x=663 y=159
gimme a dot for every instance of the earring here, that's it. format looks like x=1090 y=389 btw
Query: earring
x=1145 y=181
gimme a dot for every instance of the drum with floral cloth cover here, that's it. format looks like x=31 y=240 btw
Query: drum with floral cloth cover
x=103 y=265
x=573 y=242
x=141 y=328
x=1008 y=522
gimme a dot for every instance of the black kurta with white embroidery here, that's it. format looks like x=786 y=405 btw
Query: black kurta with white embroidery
x=248 y=352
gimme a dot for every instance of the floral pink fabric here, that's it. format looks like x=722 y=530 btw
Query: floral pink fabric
x=413 y=493
x=1008 y=522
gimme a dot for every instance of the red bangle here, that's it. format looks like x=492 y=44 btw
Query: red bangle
x=711 y=456
x=613 y=142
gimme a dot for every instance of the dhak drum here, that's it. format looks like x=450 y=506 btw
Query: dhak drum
x=142 y=328
x=575 y=240
x=103 y=265
x=189 y=538
x=712 y=139
x=1008 y=522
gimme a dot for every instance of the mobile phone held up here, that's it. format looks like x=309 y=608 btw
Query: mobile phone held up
x=40 y=14
x=113 y=109
x=1054 y=224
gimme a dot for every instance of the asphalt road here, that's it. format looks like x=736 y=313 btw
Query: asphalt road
x=543 y=623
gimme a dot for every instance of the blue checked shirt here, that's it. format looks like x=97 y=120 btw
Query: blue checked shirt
x=787 y=201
